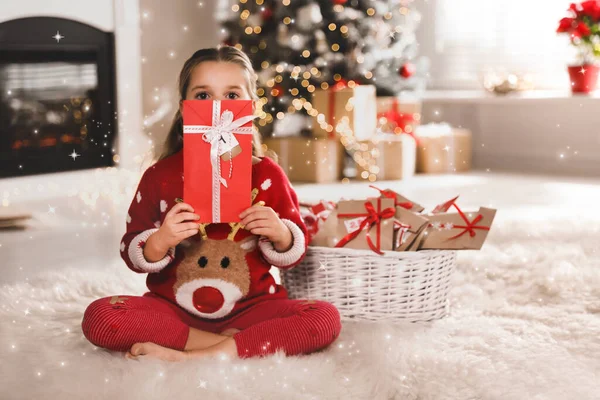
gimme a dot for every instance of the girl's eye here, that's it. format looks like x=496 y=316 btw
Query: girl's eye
x=235 y=95
x=202 y=95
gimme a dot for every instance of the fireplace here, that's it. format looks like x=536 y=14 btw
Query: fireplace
x=57 y=96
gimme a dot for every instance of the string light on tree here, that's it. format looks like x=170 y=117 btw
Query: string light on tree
x=311 y=45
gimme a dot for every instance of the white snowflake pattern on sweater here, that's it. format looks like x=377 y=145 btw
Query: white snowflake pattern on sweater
x=266 y=184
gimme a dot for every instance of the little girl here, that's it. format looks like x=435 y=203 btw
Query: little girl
x=210 y=290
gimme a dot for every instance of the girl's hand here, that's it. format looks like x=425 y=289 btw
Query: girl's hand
x=175 y=229
x=263 y=221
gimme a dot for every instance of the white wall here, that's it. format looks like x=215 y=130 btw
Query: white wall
x=166 y=44
x=555 y=135
x=527 y=133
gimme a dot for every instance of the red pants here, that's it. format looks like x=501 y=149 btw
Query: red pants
x=295 y=326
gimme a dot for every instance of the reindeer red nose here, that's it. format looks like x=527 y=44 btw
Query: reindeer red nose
x=208 y=299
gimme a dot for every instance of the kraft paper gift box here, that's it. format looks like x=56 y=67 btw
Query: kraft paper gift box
x=458 y=231
x=398 y=115
x=407 y=227
x=315 y=215
x=352 y=108
x=365 y=224
x=397 y=156
x=327 y=235
x=443 y=149
x=399 y=200
x=307 y=160
x=445 y=206
x=217 y=158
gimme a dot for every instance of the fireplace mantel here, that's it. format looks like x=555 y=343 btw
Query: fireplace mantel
x=99 y=14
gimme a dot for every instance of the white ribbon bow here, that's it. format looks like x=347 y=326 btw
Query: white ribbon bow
x=221 y=131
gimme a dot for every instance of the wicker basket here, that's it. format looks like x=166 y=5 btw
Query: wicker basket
x=408 y=286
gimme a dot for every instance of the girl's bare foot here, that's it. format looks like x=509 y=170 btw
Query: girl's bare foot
x=153 y=350
x=226 y=348
x=199 y=340
x=230 y=332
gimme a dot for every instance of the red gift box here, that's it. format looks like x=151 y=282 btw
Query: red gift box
x=217 y=158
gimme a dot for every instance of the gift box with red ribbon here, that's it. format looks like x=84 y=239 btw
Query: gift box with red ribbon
x=366 y=224
x=217 y=158
x=307 y=159
x=387 y=156
x=393 y=222
x=315 y=215
x=399 y=200
x=408 y=225
x=359 y=224
x=346 y=107
x=397 y=115
x=443 y=149
x=457 y=231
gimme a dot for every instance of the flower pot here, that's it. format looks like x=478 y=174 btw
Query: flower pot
x=584 y=78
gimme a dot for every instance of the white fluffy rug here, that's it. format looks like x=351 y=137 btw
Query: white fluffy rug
x=524 y=324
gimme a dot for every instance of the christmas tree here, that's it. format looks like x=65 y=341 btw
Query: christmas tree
x=301 y=46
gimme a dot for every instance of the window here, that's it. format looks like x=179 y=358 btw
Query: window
x=519 y=36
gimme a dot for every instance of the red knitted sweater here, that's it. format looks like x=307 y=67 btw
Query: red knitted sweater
x=218 y=276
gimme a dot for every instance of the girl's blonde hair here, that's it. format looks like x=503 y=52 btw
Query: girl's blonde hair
x=174 y=140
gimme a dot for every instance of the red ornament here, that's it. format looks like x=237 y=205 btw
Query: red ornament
x=277 y=91
x=267 y=14
x=407 y=70
x=340 y=2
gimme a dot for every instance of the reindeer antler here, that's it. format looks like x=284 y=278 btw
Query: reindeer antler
x=202 y=228
x=236 y=226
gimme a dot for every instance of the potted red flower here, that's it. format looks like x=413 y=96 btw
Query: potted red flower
x=583 y=26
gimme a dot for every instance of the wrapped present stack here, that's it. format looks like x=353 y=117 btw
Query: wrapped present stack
x=345 y=108
x=386 y=157
x=390 y=154
x=382 y=135
x=398 y=115
x=443 y=149
x=348 y=119
x=307 y=159
x=391 y=222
